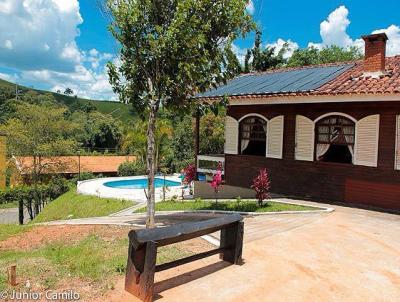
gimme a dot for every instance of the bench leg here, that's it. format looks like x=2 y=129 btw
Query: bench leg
x=139 y=280
x=232 y=241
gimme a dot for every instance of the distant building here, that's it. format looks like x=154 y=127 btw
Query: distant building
x=71 y=165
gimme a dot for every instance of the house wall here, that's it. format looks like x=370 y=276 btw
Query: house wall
x=374 y=186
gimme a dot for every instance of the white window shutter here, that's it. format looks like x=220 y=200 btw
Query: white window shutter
x=275 y=137
x=231 y=135
x=304 y=138
x=367 y=139
x=397 y=154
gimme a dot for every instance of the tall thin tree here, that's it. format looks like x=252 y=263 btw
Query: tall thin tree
x=170 y=50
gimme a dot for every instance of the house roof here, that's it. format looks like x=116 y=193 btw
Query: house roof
x=331 y=79
x=69 y=164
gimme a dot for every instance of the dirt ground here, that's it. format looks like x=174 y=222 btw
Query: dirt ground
x=40 y=236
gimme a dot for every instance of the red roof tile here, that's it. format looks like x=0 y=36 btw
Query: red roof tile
x=69 y=164
x=353 y=81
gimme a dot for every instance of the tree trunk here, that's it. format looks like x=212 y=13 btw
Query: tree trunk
x=150 y=159
x=196 y=139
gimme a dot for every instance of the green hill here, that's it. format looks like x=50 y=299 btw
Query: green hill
x=116 y=109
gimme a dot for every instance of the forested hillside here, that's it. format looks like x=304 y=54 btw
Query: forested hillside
x=116 y=109
x=48 y=124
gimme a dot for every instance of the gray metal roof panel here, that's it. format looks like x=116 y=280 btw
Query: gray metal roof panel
x=297 y=80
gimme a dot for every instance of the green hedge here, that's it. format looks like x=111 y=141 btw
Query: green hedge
x=132 y=168
x=34 y=198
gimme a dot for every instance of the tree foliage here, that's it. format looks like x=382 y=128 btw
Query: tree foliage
x=97 y=131
x=331 y=54
x=35 y=198
x=171 y=49
x=260 y=59
x=132 y=168
x=39 y=130
x=68 y=91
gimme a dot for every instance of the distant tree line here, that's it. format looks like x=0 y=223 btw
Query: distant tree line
x=38 y=125
x=259 y=58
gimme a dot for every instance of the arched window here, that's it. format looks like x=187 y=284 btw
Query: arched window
x=253 y=136
x=335 y=137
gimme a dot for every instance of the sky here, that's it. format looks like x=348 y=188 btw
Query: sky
x=54 y=44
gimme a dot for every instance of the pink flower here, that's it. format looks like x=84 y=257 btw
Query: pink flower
x=216 y=183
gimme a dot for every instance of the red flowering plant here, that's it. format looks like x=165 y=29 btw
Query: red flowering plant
x=262 y=184
x=216 y=182
x=189 y=174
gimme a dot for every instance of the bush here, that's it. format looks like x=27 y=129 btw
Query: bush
x=132 y=168
x=261 y=185
x=85 y=176
x=35 y=197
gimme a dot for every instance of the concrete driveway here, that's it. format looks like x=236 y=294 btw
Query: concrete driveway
x=348 y=255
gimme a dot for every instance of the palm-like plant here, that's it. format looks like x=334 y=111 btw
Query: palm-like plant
x=134 y=140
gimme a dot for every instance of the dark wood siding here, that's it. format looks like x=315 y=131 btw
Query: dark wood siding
x=378 y=187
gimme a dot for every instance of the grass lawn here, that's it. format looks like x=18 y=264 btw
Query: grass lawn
x=8 y=205
x=243 y=206
x=73 y=205
x=9 y=230
x=89 y=263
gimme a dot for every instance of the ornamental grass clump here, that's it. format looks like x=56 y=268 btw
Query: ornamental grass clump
x=262 y=184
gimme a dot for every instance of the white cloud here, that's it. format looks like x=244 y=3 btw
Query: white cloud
x=280 y=43
x=39 y=34
x=39 y=42
x=333 y=31
x=250 y=7
x=83 y=81
x=93 y=52
x=315 y=45
x=9 y=77
x=96 y=58
x=393 y=44
x=8 y=44
x=240 y=53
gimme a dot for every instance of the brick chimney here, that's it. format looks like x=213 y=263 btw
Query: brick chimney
x=375 y=53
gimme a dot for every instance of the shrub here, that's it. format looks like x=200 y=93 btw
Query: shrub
x=261 y=184
x=34 y=198
x=238 y=201
x=85 y=176
x=132 y=168
x=216 y=183
x=190 y=174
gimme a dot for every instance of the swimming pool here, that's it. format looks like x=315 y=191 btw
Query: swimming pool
x=140 y=183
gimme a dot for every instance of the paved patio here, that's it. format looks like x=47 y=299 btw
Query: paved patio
x=347 y=255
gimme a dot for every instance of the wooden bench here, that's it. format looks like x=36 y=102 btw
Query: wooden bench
x=143 y=245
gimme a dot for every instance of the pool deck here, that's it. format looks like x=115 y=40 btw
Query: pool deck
x=97 y=188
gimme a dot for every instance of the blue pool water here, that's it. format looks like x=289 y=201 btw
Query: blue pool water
x=139 y=183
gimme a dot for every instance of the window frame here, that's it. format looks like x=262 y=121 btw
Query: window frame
x=328 y=116
x=243 y=119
